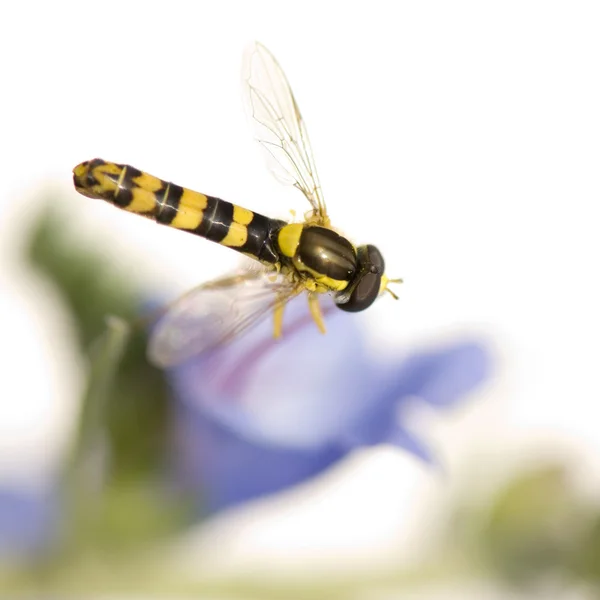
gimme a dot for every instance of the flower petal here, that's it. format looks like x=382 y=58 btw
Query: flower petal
x=297 y=391
x=228 y=459
x=444 y=376
x=225 y=469
x=440 y=378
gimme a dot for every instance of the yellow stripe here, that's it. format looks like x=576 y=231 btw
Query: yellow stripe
x=142 y=202
x=106 y=185
x=80 y=170
x=148 y=182
x=289 y=238
x=110 y=168
x=243 y=216
x=320 y=283
x=190 y=211
x=236 y=235
x=329 y=283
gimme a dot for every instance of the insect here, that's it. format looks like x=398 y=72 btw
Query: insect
x=292 y=257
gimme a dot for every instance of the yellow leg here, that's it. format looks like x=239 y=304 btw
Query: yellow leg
x=278 y=319
x=315 y=311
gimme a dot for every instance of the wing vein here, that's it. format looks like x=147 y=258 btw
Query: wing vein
x=279 y=127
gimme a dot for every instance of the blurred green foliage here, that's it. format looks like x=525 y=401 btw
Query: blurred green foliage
x=533 y=524
x=92 y=289
x=118 y=473
x=538 y=531
x=585 y=563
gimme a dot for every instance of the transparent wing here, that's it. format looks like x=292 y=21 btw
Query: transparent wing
x=279 y=127
x=214 y=313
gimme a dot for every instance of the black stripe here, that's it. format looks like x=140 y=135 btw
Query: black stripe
x=262 y=233
x=270 y=250
x=92 y=164
x=217 y=218
x=124 y=194
x=169 y=206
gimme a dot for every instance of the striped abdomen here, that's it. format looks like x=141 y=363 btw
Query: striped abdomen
x=170 y=204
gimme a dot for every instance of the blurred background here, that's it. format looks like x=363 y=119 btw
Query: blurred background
x=461 y=138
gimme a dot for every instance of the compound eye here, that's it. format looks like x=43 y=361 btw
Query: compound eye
x=374 y=257
x=368 y=281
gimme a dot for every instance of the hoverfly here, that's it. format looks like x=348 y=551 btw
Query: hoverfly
x=310 y=256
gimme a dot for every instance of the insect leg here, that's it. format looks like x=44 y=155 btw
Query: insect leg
x=315 y=311
x=278 y=318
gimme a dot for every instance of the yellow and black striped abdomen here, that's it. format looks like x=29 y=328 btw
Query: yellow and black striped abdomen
x=210 y=217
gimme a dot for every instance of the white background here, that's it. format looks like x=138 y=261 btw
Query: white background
x=462 y=138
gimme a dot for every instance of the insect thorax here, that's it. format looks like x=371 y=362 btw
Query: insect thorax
x=325 y=260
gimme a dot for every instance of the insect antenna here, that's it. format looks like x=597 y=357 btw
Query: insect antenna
x=391 y=292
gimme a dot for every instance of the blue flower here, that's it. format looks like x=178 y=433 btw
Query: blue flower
x=261 y=415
